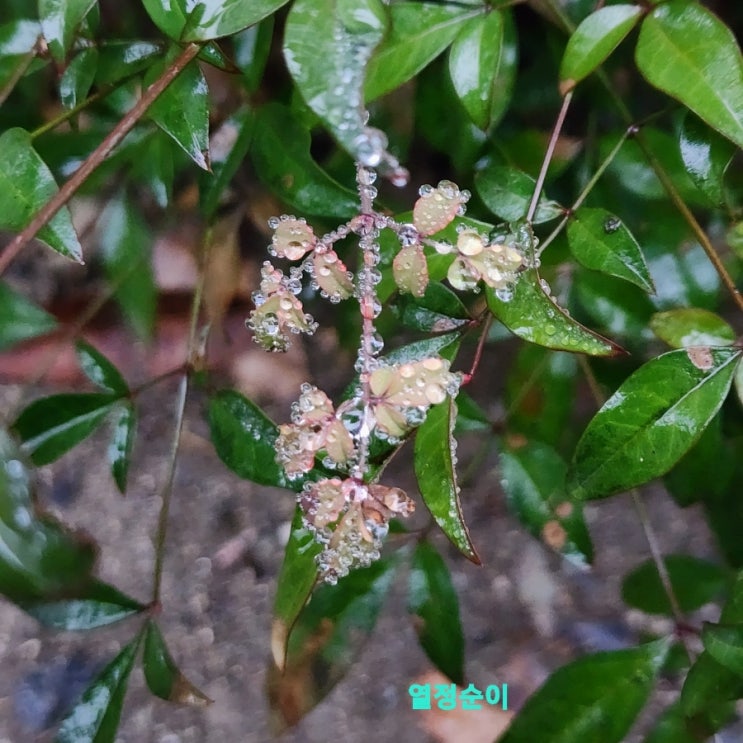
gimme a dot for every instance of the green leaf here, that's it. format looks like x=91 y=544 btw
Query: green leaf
x=59 y=22
x=226 y=17
x=695 y=583
x=482 y=65
x=120 y=59
x=230 y=145
x=27 y=184
x=597 y=36
x=327 y=44
x=508 y=191
x=296 y=580
x=39 y=559
x=281 y=155
x=168 y=15
x=438 y=310
x=17 y=40
x=96 y=605
x=688 y=53
x=691 y=326
x=708 y=684
x=99 y=370
x=51 y=426
x=651 y=421
x=470 y=416
x=182 y=110
x=600 y=241
x=435 y=459
x=164 y=678
x=95 y=718
x=724 y=642
x=125 y=250
x=326 y=640
x=595 y=698
x=120 y=449
x=434 y=605
x=540 y=393
x=419 y=32
x=534 y=316
x=75 y=83
x=20 y=319
x=245 y=440
x=706 y=156
x=671 y=728
x=534 y=484
x=251 y=48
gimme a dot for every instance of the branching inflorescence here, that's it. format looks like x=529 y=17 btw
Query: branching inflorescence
x=349 y=513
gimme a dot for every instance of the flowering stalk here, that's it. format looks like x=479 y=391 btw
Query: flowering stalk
x=349 y=514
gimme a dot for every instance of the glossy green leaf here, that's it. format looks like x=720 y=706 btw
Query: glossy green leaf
x=595 y=698
x=154 y=165
x=438 y=310
x=540 y=393
x=226 y=17
x=251 y=48
x=687 y=52
x=724 y=642
x=182 y=110
x=435 y=461
x=433 y=603
x=600 y=241
x=59 y=22
x=706 y=156
x=631 y=168
x=327 y=44
x=75 y=83
x=691 y=326
x=507 y=193
x=125 y=250
x=120 y=59
x=21 y=319
x=597 y=36
x=671 y=728
x=651 y=421
x=296 y=580
x=27 y=184
x=326 y=640
x=418 y=33
x=708 y=684
x=39 y=559
x=230 y=145
x=620 y=310
x=51 y=426
x=281 y=155
x=533 y=479
x=245 y=440
x=120 y=449
x=169 y=16
x=99 y=370
x=95 y=718
x=164 y=678
x=534 y=316
x=17 y=41
x=482 y=66
x=95 y=605
x=695 y=583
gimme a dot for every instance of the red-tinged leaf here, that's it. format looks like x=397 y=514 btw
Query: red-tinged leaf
x=435 y=462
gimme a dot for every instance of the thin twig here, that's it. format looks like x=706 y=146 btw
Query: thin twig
x=71 y=112
x=18 y=73
x=467 y=378
x=548 y=156
x=104 y=149
x=587 y=189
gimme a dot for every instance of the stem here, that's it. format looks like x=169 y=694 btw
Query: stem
x=467 y=378
x=548 y=156
x=104 y=149
x=71 y=112
x=587 y=189
x=167 y=490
